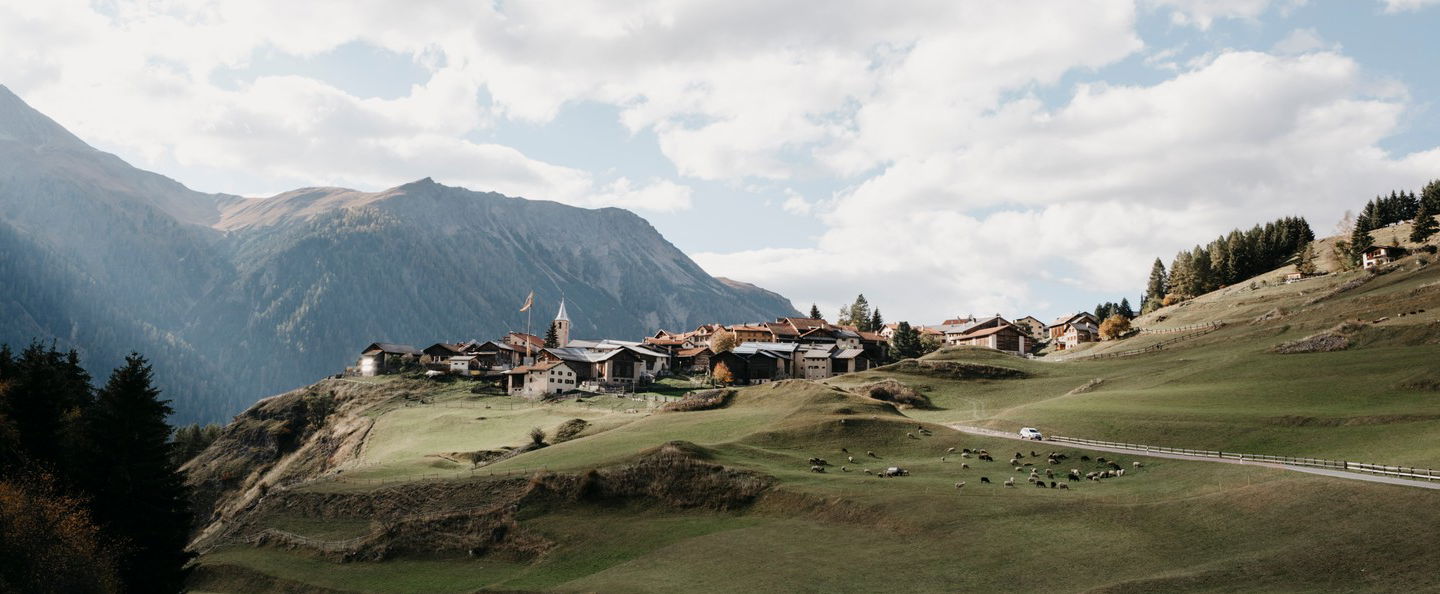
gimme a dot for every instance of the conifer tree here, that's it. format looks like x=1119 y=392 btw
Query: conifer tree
x=1125 y=309
x=552 y=337
x=1154 y=290
x=905 y=343
x=1360 y=237
x=877 y=322
x=815 y=312
x=1430 y=196
x=140 y=499
x=1305 y=262
x=1425 y=225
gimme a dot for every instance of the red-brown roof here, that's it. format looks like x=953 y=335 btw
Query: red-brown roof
x=691 y=352
x=665 y=341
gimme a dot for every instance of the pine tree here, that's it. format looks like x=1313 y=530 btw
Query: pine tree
x=815 y=312
x=1360 y=237
x=905 y=343
x=1305 y=262
x=47 y=389
x=1125 y=309
x=1425 y=225
x=552 y=337
x=877 y=322
x=1430 y=196
x=139 y=496
x=1157 y=287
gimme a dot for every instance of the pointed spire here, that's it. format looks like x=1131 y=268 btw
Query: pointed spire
x=562 y=315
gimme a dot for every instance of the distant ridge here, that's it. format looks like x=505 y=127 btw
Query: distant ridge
x=238 y=298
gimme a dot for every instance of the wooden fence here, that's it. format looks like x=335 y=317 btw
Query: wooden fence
x=1182 y=329
x=1379 y=469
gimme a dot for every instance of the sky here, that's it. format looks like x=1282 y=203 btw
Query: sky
x=942 y=157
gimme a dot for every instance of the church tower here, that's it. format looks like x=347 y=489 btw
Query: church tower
x=562 y=326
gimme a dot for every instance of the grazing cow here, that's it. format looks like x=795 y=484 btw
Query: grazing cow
x=851 y=459
x=964 y=466
x=844 y=469
x=1074 y=476
x=911 y=436
x=1052 y=484
x=1120 y=472
x=1015 y=461
x=865 y=470
x=987 y=457
x=1040 y=484
x=818 y=462
x=1136 y=464
x=1019 y=455
x=871 y=454
x=1019 y=468
x=960 y=485
x=1049 y=473
x=1084 y=458
x=964 y=454
x=1011 y=482
x=817 y=469
x=949 y=450
x=1064 y=486
x=1033 y=454
x=964 y=450
x=985 y=479
x=1113 y=466
x=844 y=450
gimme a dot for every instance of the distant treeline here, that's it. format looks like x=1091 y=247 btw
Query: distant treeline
x=1398 y=207
x=90 y=496
x=1229 y=259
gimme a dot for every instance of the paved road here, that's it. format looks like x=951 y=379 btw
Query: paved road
x=1356 y=476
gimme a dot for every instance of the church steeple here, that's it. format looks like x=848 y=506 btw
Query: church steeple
x=562 y=325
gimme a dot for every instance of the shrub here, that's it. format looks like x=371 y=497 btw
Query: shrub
x=1114 y=327
x=570 y=429
x=701 y=400
x=895 y=392
x=537 y=435
x=722 y=375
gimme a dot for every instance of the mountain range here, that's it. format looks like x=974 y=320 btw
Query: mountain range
x=236 y=298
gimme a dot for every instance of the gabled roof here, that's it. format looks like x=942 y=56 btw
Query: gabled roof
x=462 y=358
x=803 y=324
x=781 y=329
x=849 y=353
x=983 y=332
x=692 y=352
x=391 y=348
x=751 y=347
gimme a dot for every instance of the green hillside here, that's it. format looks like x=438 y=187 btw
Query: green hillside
x=401 y=485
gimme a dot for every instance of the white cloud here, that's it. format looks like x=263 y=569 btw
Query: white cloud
x=796 y=204
x=1086 y=194
x=1302 y=41
x=930 y=117
x=1203 y=13
x=1393 y=6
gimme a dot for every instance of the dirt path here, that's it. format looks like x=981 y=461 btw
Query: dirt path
x=1355 y=476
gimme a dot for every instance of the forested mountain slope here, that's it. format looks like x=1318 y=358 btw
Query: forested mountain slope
x=239 y=298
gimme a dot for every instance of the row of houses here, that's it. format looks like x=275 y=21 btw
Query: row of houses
x=789 y=347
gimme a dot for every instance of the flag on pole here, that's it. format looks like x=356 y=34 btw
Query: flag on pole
x=529 y=301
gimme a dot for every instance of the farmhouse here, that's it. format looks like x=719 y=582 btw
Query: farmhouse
x=692 y=360
x=759 y=362
x=1069 y=331
x=1380 y=255
x=821 y=363
x=550 y=376
x=384 y=357
x=1031 y=326
x=1002 y=337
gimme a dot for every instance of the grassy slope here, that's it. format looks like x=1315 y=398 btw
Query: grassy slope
x=1172 y=526
x=1225 y=390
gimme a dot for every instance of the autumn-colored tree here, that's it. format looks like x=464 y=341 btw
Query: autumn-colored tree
x=1114 y=327
x=722 y=341
x=49 y=542
x=722 y=375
